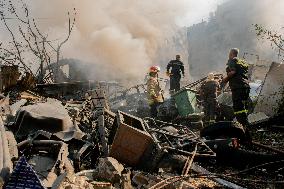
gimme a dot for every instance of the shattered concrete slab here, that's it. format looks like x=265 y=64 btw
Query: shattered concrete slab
x=49 y=116
x=135 y=142
x=271 y=97
x=109 y=169
x=258 y=117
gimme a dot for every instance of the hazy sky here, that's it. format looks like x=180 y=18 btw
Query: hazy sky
x=198 y=10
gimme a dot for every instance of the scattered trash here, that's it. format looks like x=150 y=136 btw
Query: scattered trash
x=86 y=141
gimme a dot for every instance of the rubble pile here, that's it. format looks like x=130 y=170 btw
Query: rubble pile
x=95 y=139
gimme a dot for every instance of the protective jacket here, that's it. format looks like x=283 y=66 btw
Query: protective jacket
x=176 y=67
x=154 y=91
x=240 y=78
x=209 y=89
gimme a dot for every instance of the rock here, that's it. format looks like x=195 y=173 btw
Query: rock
x=79 y=182
x=145 y=180
x=171 y=130
x=140 y=179
x=256 y=118
x=172 y=163
x=109 y=169
x=126 y=180
x=186 y=185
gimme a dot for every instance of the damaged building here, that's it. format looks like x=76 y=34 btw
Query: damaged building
x=85 y=142
x=86 y=121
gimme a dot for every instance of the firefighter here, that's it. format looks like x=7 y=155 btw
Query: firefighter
x=237 y=76
x=155 y=97
x=174 y=70
x=208 y=92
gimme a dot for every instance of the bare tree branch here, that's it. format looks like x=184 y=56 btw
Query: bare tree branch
x=30 y=41
x=275 y=38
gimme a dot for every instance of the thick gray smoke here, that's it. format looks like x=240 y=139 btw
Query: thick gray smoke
x=232 y=26
x=120 y=38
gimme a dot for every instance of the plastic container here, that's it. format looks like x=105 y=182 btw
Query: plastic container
x=131 y=140
x=185 y=101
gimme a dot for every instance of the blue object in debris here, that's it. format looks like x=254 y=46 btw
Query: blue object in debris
x=23 y=177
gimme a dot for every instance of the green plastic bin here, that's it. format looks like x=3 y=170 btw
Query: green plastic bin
x=185 y=101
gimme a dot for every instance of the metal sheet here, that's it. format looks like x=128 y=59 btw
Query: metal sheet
x=270 y=100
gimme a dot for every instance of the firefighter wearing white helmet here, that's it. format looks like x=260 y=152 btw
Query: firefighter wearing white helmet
x=154 y=91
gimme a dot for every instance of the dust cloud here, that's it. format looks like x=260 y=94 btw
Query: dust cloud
x=119 y=38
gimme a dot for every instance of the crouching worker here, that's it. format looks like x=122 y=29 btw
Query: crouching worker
x=155 y=97
x=208 y=92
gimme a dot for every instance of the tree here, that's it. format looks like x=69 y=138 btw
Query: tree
x=28 y=41
x=275 y=38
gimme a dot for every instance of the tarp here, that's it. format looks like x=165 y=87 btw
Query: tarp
x=23 y=177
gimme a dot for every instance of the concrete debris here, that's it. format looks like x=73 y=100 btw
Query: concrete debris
x=84 y=135
x=256 y=118
x=146 y=180
x=126 y=180
x=109 y=169
x=271 y=97
x=49 y=116
x=76 y=183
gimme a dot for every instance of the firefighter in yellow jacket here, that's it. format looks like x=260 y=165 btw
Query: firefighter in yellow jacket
x=155 y=97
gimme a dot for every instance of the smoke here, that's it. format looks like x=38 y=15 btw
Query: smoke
x=232 y=26
x=120 y=39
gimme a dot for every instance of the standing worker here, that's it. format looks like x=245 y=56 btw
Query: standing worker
x=177 y=68
x=155 y=97
x=237 y=76
x=208 y=92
